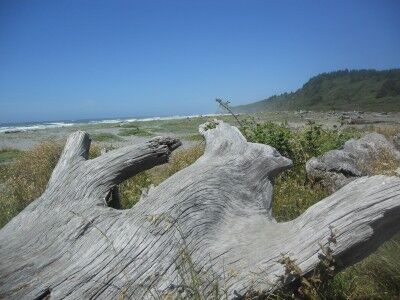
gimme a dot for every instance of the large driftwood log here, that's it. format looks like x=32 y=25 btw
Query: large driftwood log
x=214 y=216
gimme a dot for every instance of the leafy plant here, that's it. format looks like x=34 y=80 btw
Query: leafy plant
x=297 y=144
x=278 y=136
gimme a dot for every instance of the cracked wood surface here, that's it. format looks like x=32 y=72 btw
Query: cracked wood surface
x=214 y=216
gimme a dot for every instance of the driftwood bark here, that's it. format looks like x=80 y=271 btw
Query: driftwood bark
x=214 y=216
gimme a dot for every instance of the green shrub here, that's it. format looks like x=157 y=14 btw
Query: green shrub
x=297 y=144
x=278 y=136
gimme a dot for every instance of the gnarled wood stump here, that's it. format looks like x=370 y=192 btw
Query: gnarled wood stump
x=214 y=216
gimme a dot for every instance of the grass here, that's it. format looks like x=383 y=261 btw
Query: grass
x=104 y=137
x=188 y=126
x=179 y=126
x=26 y=178
x=377 y=276
x=134 y=131
x=9 y=155
x=129 y=125
x=193 y=137
x=293 y=195
x=383 y=162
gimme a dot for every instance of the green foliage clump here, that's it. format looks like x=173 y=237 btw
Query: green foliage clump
x=210 y=125
x=297 y=144
x=278 y=136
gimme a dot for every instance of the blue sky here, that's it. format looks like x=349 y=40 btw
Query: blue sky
x=93 y=59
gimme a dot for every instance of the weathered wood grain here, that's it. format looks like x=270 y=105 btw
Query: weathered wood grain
x=214 y=216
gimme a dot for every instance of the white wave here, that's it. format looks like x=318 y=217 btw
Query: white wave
x=106 y=121
x=11 y=129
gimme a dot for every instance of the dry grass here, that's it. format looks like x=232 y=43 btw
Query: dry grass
x=382 y=162
x=25 y=179
x=389 y=131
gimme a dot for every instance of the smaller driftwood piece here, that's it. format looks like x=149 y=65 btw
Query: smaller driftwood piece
x=336 y=168
x=212 y=219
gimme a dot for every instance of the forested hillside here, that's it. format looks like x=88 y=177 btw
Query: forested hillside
x=368 y=90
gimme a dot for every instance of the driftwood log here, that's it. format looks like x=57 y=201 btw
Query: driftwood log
x=213 y=217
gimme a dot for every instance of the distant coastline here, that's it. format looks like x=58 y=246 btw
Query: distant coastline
x=32 y=126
